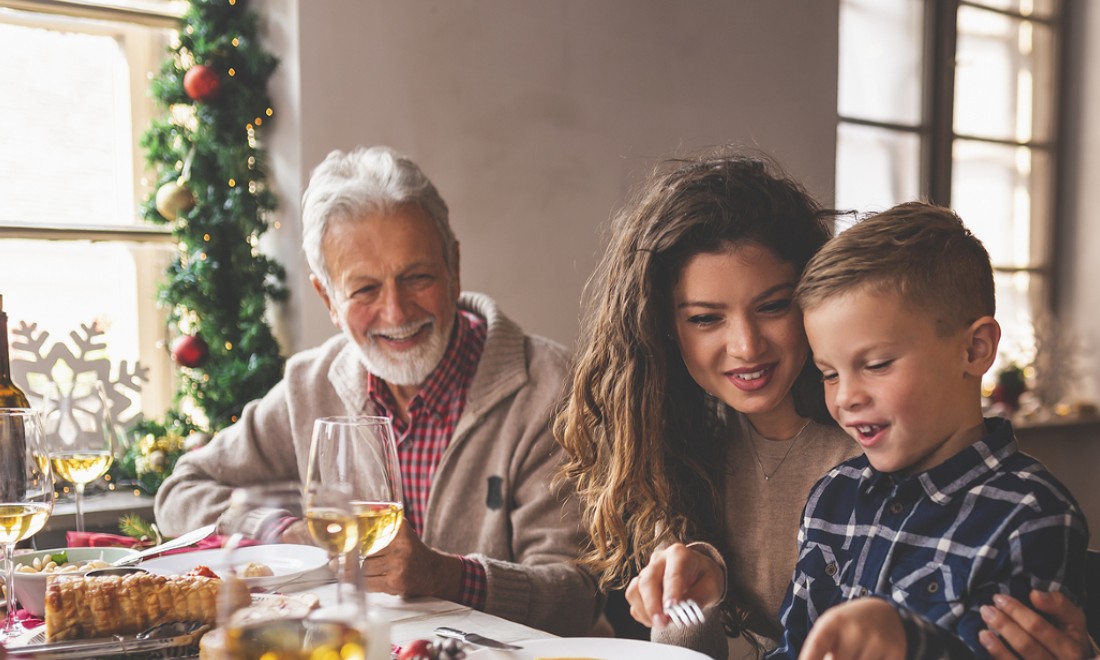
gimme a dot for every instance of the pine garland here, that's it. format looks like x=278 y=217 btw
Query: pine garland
x=219 y=285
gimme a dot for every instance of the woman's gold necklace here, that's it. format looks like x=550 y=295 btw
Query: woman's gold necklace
x=790 y=446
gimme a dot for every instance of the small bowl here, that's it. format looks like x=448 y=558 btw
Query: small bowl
x=30 y=588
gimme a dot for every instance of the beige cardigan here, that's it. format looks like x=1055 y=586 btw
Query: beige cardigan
x=527 y=545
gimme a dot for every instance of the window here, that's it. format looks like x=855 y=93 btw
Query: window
x=73 y=250
x=955 y=101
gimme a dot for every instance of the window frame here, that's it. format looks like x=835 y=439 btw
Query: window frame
x=122 y=20
x=938 y=137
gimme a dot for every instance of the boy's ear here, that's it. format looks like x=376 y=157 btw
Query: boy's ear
x=982 y=338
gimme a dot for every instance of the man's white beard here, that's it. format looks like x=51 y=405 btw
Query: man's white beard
x=411 y=367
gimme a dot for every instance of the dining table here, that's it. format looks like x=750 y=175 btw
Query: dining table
x=402 y=619
x=409 y=619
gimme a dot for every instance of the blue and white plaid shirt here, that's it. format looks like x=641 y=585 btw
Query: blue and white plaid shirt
x=937 y=545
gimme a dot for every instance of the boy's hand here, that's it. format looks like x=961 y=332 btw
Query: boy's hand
x=674 y=573
x=1032 y=636
x=863 y=628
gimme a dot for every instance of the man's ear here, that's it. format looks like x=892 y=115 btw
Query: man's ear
x=456 y=282
x=982 y=338
x=319 y=287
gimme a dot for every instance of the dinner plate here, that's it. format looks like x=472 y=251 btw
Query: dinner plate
x=286 y=561
x=596 y=648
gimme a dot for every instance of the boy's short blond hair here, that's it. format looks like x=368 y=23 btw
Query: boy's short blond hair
x=920 y=251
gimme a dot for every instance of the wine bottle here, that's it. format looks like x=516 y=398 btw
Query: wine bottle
x=10 y=394
x=12 y=476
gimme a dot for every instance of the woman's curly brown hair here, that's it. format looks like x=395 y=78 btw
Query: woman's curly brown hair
x=643 y=441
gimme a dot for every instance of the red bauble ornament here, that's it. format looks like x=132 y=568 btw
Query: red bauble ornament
x=418 y=649
x=202 y=83
x=190 y=351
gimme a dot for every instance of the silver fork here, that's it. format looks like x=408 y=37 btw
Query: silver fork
x=684 y=613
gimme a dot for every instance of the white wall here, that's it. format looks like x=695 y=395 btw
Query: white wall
x=1080 y=240
x=534 y=117
x=1073 y=454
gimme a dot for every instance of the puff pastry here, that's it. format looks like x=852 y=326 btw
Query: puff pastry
x=101 y=606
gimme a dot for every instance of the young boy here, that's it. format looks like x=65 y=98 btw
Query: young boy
x=902 y=547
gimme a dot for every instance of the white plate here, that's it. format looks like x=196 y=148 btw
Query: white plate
x=600 y=648
x=286 y=561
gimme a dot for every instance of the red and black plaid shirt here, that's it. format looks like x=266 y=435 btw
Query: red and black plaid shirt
x=433 y=415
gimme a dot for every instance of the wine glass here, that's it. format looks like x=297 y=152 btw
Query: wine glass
x=359 y=453
x=80 y=434
x=255 y=516
x=26 y=492
x=259 y=514
x=330 y=518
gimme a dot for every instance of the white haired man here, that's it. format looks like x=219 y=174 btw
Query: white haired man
x=470 y=396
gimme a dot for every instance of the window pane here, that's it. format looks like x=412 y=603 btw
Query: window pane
x=1004 y=77
x=100 y=284
x=67 y=155
x=875 y=167
x=1016 y=317
x=881 y=60
x=1001 y=194
x=1039 y=8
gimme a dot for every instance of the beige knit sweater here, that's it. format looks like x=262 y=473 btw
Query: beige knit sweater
x=762 y=517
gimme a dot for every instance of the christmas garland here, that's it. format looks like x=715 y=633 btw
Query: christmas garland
x=212 y=191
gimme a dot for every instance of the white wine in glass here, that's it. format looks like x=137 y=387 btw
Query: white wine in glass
x=378 y=524
x=80 y=432
x=26 y=493
x=355 y=458
x=333 y=528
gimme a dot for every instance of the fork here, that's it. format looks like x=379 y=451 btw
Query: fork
x=684 y=613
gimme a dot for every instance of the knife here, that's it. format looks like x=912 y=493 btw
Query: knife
x=473 y=638
x=181 y=541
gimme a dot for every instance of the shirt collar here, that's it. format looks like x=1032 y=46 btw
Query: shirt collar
x=958 y=472
x=458 y=364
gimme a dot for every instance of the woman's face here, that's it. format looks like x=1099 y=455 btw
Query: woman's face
x=738 y=328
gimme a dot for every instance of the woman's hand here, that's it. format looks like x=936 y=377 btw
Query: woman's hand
x=1029 y=634
x=674 y=573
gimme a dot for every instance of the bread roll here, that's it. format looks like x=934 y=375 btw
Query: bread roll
x=105 y=605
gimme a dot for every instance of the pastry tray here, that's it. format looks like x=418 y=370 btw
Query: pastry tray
x=171 y=640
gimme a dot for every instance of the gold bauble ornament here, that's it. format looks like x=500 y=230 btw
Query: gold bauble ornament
x=173 y=198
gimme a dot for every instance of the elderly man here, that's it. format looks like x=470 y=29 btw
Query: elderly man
x=470 y=396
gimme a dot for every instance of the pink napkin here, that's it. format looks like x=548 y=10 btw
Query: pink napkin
x=102 y=540
x=28 y=620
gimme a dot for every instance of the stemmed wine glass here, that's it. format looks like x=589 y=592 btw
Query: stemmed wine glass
x=26 y=492
x=255 y=517
x=80 y=434
x=355 y=458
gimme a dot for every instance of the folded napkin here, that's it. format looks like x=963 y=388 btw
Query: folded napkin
x=103 y=540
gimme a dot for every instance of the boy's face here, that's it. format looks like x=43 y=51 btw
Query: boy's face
x=907 y=395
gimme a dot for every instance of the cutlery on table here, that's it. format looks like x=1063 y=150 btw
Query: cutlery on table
x=473 y=638
x=181 y=541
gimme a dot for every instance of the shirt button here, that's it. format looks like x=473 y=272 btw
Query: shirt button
x=896 y=508
x=830 y=570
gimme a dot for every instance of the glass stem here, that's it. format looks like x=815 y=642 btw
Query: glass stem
x=341 y=576
x=79 y=507
x=9 y=589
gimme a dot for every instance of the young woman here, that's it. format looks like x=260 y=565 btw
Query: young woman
x=695 y=414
